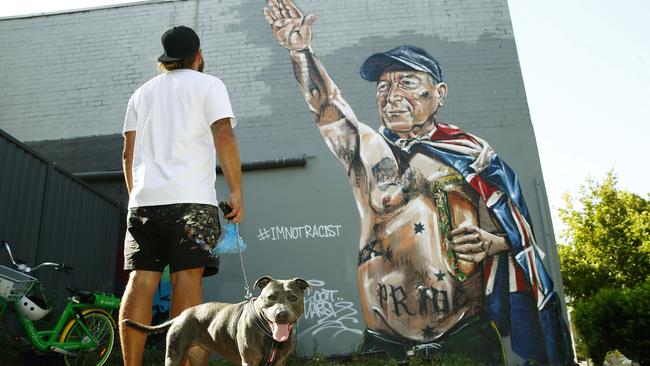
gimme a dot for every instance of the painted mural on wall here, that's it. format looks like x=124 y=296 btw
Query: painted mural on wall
x=447 y=259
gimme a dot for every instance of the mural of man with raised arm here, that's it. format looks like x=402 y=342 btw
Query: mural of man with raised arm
x=447 y=259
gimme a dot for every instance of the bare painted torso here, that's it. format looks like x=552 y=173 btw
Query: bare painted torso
x=410 y=284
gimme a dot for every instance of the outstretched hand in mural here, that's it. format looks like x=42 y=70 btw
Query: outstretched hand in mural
x=290 y=27
x=473 y=244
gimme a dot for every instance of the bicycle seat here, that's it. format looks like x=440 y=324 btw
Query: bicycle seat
x=83 y=295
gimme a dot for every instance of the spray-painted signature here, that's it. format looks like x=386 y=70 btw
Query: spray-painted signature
x=329 y=310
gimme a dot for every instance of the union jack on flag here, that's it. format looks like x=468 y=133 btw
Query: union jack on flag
x=542 y=337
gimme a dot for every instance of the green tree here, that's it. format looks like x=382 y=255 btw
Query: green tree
x=606 y=242
x=616 y=318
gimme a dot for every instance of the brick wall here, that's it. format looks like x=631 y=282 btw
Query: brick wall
x=70 y=74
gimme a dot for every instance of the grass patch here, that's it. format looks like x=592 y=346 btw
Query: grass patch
x=14 y=354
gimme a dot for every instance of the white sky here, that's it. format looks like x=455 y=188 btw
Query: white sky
x=23 y=7
x=586 y=69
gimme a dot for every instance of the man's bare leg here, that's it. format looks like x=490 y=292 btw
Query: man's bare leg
x=136 y=305
x=186 y=292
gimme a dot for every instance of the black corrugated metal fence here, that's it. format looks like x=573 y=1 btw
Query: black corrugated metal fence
x=47 y=214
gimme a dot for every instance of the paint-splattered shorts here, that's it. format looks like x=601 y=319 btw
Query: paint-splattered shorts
x=180 y=235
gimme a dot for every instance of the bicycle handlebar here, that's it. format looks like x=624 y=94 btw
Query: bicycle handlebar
x=26 y=269
x=64 y=268
x=11 y=257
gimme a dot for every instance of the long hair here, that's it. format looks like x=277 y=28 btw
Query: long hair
x=177 y=65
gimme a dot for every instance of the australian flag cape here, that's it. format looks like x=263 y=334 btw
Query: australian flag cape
x=519 y=291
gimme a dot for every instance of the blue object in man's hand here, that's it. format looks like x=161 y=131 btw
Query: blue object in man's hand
x=228 y=242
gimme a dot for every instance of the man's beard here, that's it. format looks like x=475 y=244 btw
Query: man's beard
x=201 y=65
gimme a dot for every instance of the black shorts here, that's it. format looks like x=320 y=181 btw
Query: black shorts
x=181 y=235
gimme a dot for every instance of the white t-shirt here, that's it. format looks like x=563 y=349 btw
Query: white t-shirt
x=174 y=159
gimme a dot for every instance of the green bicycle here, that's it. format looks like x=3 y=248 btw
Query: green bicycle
x=85 y=331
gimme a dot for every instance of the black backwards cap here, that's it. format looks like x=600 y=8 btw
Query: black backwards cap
x=411 y=57
x=179 y=43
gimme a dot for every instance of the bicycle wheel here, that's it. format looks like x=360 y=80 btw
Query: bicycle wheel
x=102 y=326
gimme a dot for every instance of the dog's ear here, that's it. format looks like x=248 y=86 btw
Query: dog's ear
x=302 y=284
x=263 y=281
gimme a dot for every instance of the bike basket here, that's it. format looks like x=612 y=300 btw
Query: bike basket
x=14 y=284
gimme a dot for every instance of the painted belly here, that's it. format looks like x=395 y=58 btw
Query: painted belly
x=408 y=286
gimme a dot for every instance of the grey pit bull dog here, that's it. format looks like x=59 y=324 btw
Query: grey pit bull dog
x=254 y=332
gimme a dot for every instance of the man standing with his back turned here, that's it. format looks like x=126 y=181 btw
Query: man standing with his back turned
x=174 y=124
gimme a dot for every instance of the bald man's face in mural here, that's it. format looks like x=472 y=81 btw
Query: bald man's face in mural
x=408 y=100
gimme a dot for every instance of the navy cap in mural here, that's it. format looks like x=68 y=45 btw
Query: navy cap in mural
x=179 y=43
x=410 y=56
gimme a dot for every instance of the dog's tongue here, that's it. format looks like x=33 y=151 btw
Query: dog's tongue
x=280 y=331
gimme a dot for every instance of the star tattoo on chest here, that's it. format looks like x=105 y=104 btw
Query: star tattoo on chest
x=440 y=276
x=418 y=228
x=388 y=255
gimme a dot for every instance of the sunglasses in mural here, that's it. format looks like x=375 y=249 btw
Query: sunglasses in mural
x=447 y=259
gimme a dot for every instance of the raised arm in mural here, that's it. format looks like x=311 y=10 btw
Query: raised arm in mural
x=335 y=118
x=293 y=31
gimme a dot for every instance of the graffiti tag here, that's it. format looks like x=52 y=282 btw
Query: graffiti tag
x=299 y=232
x=329 y=310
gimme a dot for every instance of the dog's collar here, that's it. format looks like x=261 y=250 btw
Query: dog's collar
x=262 y=323
x=259 y=321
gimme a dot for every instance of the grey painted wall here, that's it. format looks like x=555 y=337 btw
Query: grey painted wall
x=67 y=77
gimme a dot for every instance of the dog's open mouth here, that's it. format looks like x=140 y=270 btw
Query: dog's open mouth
x=280 y=331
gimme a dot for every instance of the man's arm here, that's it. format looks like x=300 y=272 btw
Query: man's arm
x=293 y=31
x=322 y=95
x=335 y=118
x=225 y=143
x=127 y=159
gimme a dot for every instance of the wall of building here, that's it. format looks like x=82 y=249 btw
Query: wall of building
x=66 y=79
